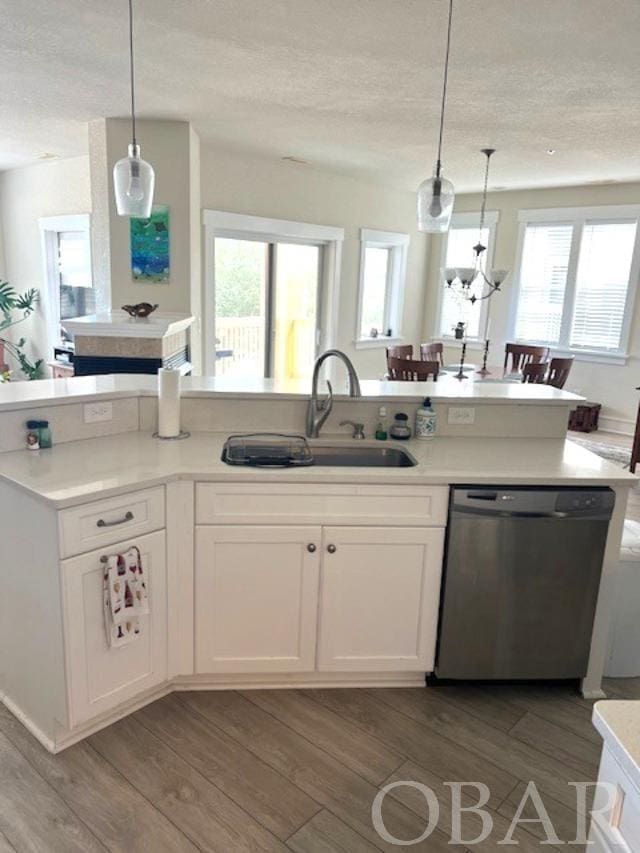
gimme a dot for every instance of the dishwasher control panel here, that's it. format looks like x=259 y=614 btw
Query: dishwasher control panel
x=533 y=500
x=581 y=499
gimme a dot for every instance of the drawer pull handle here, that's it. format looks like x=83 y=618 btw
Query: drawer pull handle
x=311 y=548
x=331 y=549
x=127 y=517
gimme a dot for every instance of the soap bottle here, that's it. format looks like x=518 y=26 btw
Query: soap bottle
x=425 y=421
x=381 y=427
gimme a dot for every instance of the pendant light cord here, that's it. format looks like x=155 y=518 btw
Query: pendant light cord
x=444 y=88
x=132 y=75
x=483 y=208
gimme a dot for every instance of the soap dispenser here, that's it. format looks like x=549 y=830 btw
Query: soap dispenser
x=381 y=427
x=425 y=421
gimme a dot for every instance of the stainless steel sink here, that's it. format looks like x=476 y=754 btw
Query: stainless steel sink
x=362 y=457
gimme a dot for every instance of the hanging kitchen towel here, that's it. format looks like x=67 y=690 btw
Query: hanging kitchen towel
x=125 y=597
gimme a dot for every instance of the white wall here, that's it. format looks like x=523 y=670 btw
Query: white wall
x=612 y=385
x=274 y=188
x=47 y=189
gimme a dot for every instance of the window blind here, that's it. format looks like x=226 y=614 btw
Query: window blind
x=543 y=281
x=460 y=243
x=374 y=294
x=602 y=283
x=74 y=259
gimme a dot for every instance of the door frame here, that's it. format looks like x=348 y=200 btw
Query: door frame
x=218 y=223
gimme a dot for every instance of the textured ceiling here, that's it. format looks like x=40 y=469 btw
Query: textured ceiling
x=352 y=85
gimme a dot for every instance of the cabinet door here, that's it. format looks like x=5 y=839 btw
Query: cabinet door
x=256 y=598
x=379 y=599
x=100 y=677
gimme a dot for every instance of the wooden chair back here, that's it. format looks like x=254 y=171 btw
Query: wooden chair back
x=401 y=351
x=521 y=354
x=433 y=352
x=409 y=370
x=535 y=371
x=559 y=370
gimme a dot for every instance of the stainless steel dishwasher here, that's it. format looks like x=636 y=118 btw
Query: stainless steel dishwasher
x=522 y=572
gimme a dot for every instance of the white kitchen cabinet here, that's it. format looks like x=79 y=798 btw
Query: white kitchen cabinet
x=256 y=598
x=379 y=599
x=615 y=824
x=99 y=677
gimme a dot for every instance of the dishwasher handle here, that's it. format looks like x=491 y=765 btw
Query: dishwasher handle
x=504 y=512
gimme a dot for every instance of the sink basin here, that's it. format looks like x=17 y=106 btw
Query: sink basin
x=362 y=457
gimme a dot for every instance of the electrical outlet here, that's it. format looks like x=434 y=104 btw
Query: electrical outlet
x=460 y=415
x=95 y=413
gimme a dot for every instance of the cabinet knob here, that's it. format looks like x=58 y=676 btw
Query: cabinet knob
x=331 y=549
x=311 y=548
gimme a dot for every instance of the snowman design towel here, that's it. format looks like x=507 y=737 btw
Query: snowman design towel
x=125 y=597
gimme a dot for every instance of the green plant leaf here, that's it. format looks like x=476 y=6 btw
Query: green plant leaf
x=7 y=297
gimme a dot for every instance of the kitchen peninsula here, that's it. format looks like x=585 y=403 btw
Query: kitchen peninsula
x=312 y=576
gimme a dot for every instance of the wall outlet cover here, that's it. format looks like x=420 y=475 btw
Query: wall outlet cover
x=95 y=413
x=461 y=415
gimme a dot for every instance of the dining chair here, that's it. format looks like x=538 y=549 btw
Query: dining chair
x=535 y=372
x=410 y=370
x=522 y=354
x=401 y=351
x=559 y=370
x=433 y=352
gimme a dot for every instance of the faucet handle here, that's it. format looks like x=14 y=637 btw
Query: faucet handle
x=358 y=429
x=327 y=403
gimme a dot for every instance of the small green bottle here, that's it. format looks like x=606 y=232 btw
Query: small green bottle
x=44 y=430
x=381 y=427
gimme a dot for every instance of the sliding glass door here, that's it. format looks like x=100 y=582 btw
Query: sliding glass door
x=267 y=297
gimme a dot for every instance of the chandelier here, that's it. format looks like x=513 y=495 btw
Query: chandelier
x=463 y=281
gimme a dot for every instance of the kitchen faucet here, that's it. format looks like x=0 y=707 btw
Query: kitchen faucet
x=318 y=410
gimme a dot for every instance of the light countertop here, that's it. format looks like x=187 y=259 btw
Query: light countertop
x=84 y=470
x=447 y=389
x=618 y=721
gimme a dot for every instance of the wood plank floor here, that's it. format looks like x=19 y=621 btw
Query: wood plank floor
x=298 y=770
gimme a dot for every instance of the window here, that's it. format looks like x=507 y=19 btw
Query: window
x=76 y=295
x=271 y=296
x=383 y=265
x=543 y=281
x=266 y=307
x=577 y=277
x=69 y=288
x=457 y=251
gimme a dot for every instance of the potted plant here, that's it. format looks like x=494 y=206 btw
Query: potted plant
x=22 y=304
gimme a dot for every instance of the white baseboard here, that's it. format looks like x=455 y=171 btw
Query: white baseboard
x=295 y=681
x=28 y=723
x=620 y=426
x=64 y=738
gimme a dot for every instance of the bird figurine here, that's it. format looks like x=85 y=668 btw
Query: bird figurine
x=142 y=309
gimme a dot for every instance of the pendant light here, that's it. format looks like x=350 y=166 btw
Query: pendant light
x=133 y=177
x=436 y=194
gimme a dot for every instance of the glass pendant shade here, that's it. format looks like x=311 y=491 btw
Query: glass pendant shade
x=435 y=205
x=133 y=182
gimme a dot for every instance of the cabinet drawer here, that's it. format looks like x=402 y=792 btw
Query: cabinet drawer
x=288 y=503
x=102 y=523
